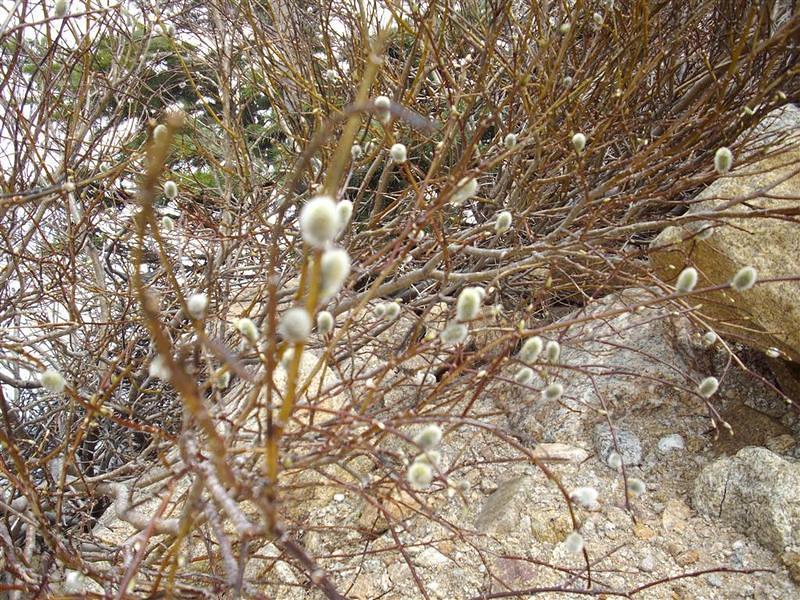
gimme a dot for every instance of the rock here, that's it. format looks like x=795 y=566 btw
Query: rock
x=687 y=558
x=675 y=515
x=638 y=365
x=395 y=506
x=643 y=532
x=647 y=564
x=791 y=559
x=550 y=526
x=750 y=428
x=431 y=557
x=768 y=315
x=613 y=357
x=670 y=443
x=496 y=508
x=781 y=444
x=487 y=485
x=560 y=452
x=756 y=492
x=628 y=445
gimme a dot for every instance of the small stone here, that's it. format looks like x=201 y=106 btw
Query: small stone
x=431 y=557
x=560 y=452
x=549 y=526
x=647 y=564
x=781 y=444
x=643 y=532
x=687 y=558
x=714 y=580
x=791 y=559
x=338 y=497
x=487 y=486
x=500 y=510
x=629 y=446
x=756 y=492
x=675 y=515
x=671 y=442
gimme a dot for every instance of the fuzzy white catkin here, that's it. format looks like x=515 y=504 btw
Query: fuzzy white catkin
x=772 y=352
x=428 y=437
x=553 y=391
x=420 y=474
x=686 y=280
x=399 y=153
x=286 y=358
x=325 y=322
x=636 y=486
x=723 y=159
x=503 y=222
x=524 y=376
x=598 y=18
x=574 y=543
x=454 y=333
x=710 y=338
x=466 y=188
x=585 y=496
x=167 y=224
x=335 y=267
x=552 y=351
x=295 y=325
x=197 y=304
x=380 y=310
x=160 y=132
x=222 y=379
x=356 y=152
x=468 y=305
x=170 y=189
x=344 y=209
x=430 y=457
x=319 y=221
x=614 y=460
x=60 y=8
x=159 y=368
x=52 y=381
x=579 y=142
x=510 y=140
x=247 y=328
x=383 y=103
x=392 y=311
x=708 y=387
x=531 y=349
x=744 y=279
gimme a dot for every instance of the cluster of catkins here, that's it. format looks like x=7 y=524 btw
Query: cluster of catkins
x=322 y=220
x=420 y=473
x=536 y=349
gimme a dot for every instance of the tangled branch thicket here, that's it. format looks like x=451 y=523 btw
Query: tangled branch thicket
x=252 y=108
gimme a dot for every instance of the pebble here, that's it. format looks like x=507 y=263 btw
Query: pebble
x=338 y=497
x=630 y=448
x=488 y=485
x=668 y=443
x=560 y=452
x=647 y=564
x=688 y=558
x=431 y=557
